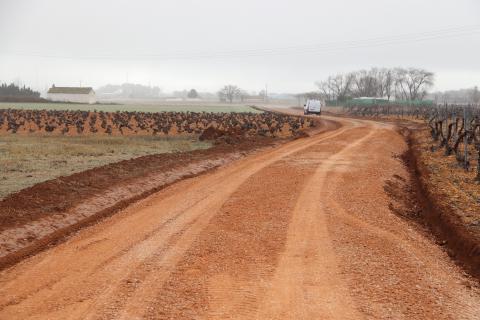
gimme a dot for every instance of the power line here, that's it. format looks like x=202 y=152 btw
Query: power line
x=313 y=48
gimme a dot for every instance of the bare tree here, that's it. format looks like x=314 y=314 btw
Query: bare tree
x=336 y=87
x=341 y=85
x=334 y=83
x=385 y=82
x=419 y=81
x=404 y=84
x=365 y=83
x=413 y=83
x=229 y=93
x=325 y=90
x=401 y=91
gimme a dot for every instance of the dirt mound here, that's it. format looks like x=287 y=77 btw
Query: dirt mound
x=211 y=134
x=224 y=137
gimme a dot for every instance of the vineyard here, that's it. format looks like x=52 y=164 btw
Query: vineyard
x=37 y=145
x=454 y=129
x=74 y=123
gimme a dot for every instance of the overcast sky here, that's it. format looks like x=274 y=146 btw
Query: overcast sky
x=181 y=44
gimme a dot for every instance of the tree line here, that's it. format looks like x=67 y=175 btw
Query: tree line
x=12 y=92
x=398 y=83
x=461 y=96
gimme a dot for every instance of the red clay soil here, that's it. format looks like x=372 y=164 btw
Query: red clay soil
x=440 y=214
x=46 y=213
x=422 y=201
x=299 y=231
x=53 y=200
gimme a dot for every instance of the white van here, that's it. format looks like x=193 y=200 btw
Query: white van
x=312 y=106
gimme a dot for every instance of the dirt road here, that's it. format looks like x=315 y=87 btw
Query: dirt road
x=302 y=231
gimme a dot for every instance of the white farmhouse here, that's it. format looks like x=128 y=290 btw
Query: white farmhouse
x=72 y=94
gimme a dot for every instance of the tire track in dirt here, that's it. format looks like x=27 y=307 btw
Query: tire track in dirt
x=300 y=231
x=392 y=269
x=238 y=246
x=93 y=280
x=226 y=270
x=307 y=284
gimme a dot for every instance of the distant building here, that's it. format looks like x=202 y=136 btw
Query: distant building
x=72 y=94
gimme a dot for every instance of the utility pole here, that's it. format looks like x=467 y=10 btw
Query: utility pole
x=266 y=93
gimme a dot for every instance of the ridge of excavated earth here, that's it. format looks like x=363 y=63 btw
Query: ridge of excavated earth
x=300 y=231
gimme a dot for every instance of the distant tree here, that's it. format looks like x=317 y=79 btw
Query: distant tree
x=413 y=83
x=15 y=91
x=387 y=82
x=406 y=84
x=365 y=83
x=192 y=94
x=342 y=85
x=471 y=95
x=243 y=95
x=229 y=93
x=336 y=87
x=325 y=90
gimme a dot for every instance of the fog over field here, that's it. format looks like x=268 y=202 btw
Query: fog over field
x=184 y=44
